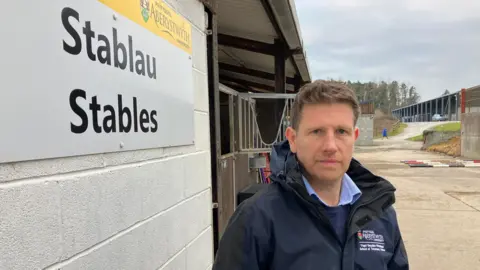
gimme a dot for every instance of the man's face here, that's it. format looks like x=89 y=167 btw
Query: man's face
x=324 y=140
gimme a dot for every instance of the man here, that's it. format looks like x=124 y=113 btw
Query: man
x=323 y=210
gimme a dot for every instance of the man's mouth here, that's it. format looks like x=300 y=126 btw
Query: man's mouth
x=329 y=161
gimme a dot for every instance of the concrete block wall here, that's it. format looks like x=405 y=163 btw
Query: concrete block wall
x=365 y=126
x=432 y=137
x=470 y=138
x=148 y=209
x=472 y=109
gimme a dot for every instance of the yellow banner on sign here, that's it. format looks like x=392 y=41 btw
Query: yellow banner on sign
x=158 y=18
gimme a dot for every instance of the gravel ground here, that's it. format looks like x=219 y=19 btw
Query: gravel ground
x=438 y=208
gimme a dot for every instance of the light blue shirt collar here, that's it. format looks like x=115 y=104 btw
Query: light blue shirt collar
x=349 y=193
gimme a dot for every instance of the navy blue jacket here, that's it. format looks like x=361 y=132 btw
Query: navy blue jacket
x=283 y=228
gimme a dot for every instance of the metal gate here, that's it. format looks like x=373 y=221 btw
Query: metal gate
x=250 y=137
x=241 y=139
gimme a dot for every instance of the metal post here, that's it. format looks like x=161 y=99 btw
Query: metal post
x=280 y=66
x=280 y=79
x=449 y=104
x=431 y=110
x=410 y=110
x=424 y=111
x=421 y=112
x=241 y=121
x=442 y=109
x=298 y=83
x=456 y=107
x=231 y=122
x=418 y=113
x=214 y=118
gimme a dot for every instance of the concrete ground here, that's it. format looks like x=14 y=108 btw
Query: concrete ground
x=438 y=208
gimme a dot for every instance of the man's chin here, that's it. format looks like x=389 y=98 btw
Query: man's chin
x=329 y=177
x=329 y=165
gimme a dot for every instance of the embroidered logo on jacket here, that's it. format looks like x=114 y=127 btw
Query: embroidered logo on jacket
x=368 y=240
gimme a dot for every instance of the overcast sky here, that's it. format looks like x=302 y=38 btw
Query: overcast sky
x=431 y=44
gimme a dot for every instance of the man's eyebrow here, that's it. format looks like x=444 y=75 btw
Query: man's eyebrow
x=346 y=127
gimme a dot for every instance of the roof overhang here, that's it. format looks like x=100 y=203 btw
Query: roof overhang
x=251 y=34
x=286 y=15
x=454 y=95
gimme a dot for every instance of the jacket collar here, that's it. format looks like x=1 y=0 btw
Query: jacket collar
x=287 y=171
x=349 y=192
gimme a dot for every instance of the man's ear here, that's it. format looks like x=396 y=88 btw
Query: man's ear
x=291 y=135
x=356 y=132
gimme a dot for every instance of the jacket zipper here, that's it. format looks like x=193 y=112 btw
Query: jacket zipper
x=320 y=216
x=352 y=213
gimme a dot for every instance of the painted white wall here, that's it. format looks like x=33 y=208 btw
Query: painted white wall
x=148 y=209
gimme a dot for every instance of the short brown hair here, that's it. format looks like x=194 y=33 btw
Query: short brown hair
x=323 y=92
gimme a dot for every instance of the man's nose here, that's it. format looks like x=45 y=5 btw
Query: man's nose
x=330 y=143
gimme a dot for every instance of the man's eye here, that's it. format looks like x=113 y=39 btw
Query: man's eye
x=342 y=131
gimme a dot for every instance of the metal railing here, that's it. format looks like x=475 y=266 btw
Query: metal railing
x=250 y=137
x=395 y=125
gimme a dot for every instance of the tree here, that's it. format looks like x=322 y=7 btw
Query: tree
x=381 y=96
x=413 y=96
x=386 y=95
x=405 y=95
x=446 y=92
x=394 y=95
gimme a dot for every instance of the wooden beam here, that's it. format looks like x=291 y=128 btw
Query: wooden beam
x=253 y=72
x=280 y=80
x=248 y=83
x=298 y=83
x=268 y=9
x=271 y=17
x=280 y=66
x=246 y=44
x=239 y=87
x=236 y=86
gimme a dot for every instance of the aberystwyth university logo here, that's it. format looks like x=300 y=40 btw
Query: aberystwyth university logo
x=157 y=17
x=369 y=240
x=145 y=4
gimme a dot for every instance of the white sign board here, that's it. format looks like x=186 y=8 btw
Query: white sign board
x=85 y=77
